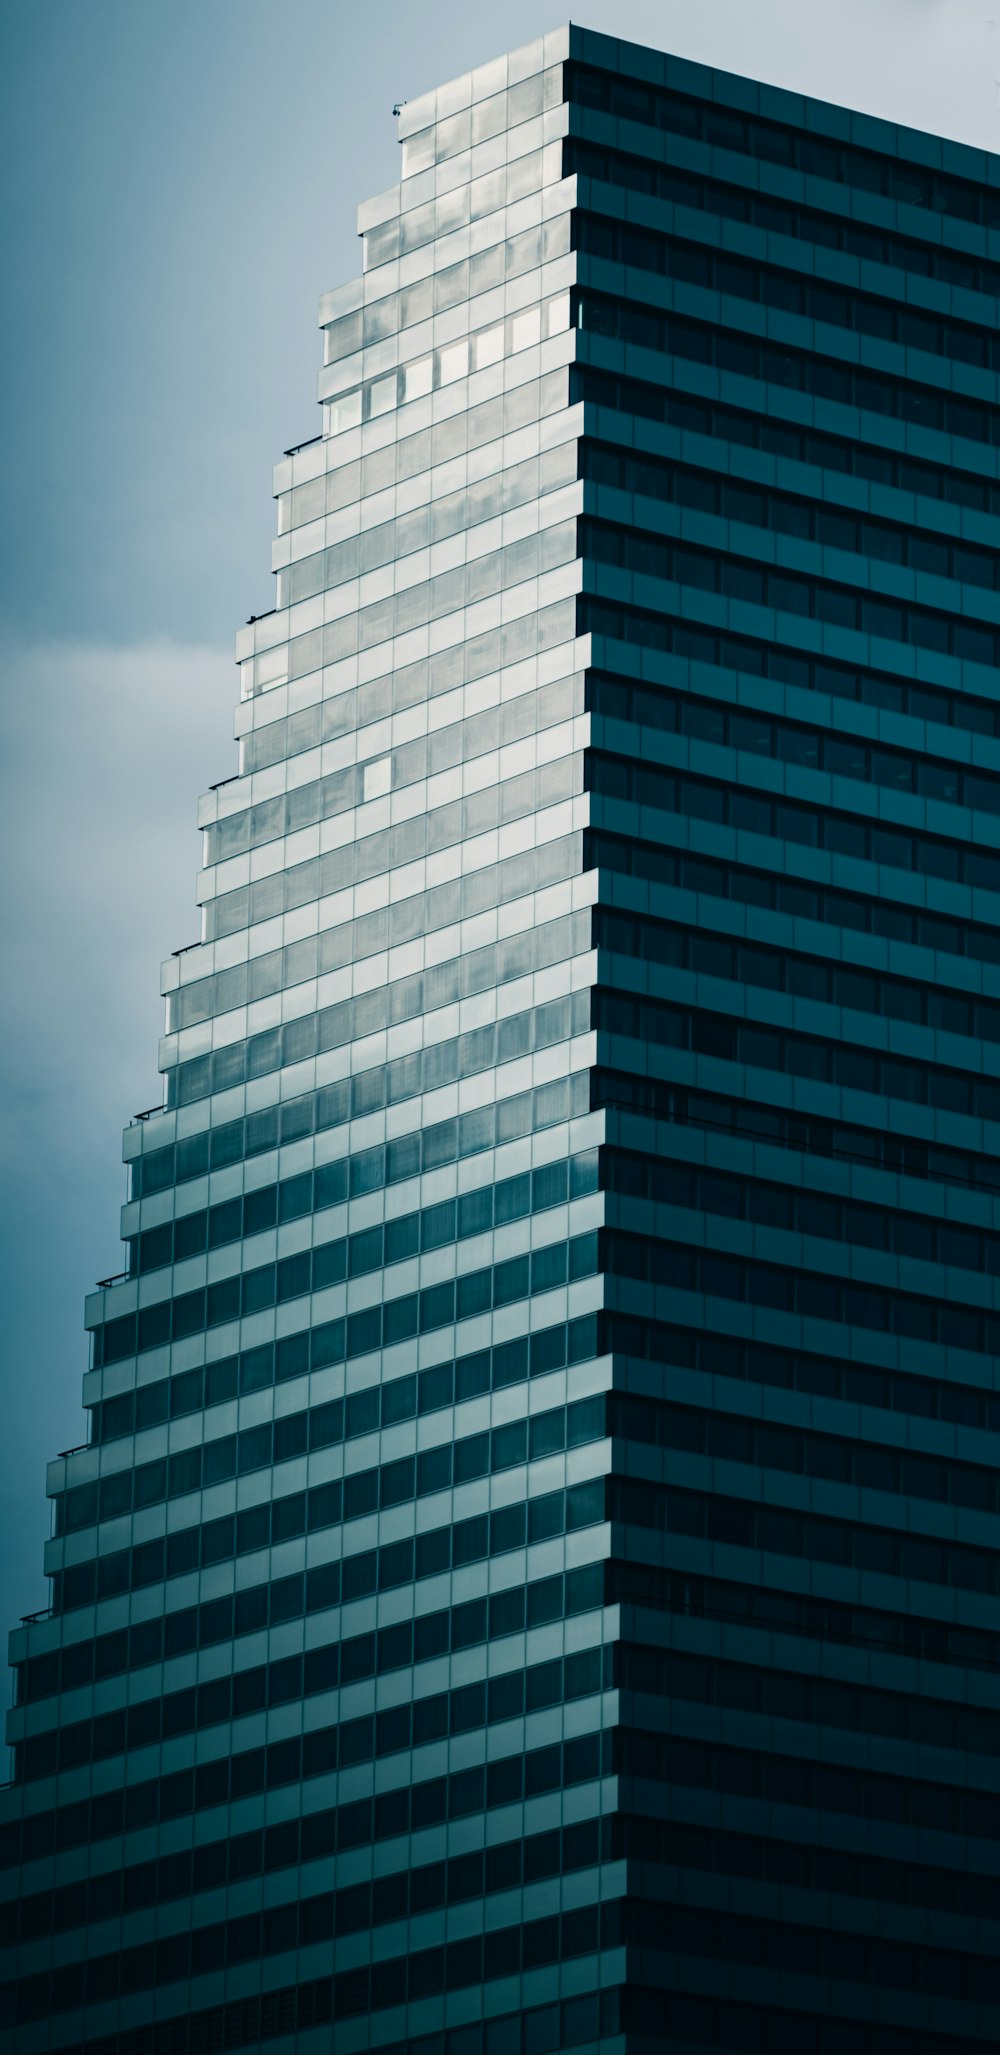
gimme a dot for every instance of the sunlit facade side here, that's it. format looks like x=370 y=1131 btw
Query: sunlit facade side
x=532 y=1580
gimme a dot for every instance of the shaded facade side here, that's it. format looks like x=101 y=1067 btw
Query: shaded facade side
x=787 y=357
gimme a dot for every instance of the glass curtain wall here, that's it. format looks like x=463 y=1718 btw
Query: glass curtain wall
x=532 y=1579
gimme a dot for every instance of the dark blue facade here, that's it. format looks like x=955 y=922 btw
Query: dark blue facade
x=788 y=359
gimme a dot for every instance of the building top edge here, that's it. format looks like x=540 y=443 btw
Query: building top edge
x=705 y=82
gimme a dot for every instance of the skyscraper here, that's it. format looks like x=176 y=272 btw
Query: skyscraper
x=533 y=1581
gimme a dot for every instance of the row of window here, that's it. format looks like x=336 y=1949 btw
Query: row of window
x=807 y=520
x=812 y=1701
x=736 y=657
x=422 y=835
x=814 y=749
x=38 y=1834
x=507 y=1952
x=670 y=254
x=870 y=245
x=378 y=1086
x=515 y=642
x=459 y=203
x=494 y=107
x=813 y=1295
x=667 y=1183
x=151 y=1641
x=441 y=1143
x=186 y=1712
x=665 y=1759
x=806 y=1133
x=490 y=267
x=794 y=1055
x=810 y=1619
x=669 y=1931
x=251 y=1531
x=783 y=820
x=444 y=1141
x=364 y=627
x=452 y=134
x=282 y=1929
x=827 y=379
x=909 y=183
x=795 y=1866
x=503 y=1953
x=770 y=1445
x=298 y=2008
x=505 y=1866
x=767 y=2030
x=749 y=428
x=799 y=977
x=481 y=499
x=346 y=942
x=410 y=306
x=301 y=807
x=737 y=1523
x=382 y=1404
x=180 y=1632
x=784 y=1949
x=654 y=558
x=364 y=1491
x=409 y=1234
x=444 y=592
x=456 y=435
x=373 y=1327
x=343 y=712
x=582 y=2021
x=828 y=1377
x=400 y=1894
x=415 y=379
x=454 y=513
x=862 y=913
x=114 y=1812
x=367 y=1091
x=404 y=1726
x=379 y=471
x=337 y=714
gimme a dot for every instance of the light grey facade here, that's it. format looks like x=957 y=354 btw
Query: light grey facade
x=323 y=1484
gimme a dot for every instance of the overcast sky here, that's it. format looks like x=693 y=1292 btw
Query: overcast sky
x=179 y=186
